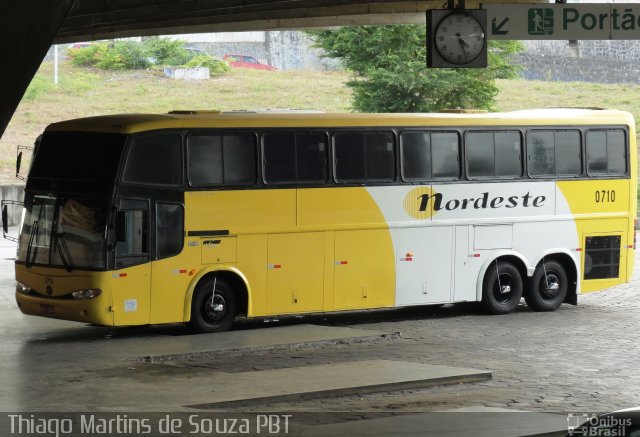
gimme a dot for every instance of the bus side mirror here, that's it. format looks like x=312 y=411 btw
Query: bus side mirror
x=5 y=220
x=121 y=226
x=18 y=164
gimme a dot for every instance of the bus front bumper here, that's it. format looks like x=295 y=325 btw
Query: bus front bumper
x=96 y=311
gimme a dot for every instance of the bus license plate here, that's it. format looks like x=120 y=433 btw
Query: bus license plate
x=46 y=308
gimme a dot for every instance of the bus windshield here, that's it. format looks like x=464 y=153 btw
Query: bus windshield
x=64 y=231
x=76 y=158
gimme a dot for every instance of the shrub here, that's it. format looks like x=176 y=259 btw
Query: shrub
x=216 y=67
x=131 y=55
x=166 y=51
x=86 y=56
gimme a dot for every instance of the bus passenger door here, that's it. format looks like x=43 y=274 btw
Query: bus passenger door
x=131 y=278
x=173 y=264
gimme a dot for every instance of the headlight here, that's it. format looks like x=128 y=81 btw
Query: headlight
x=86 y=294
x=21 y=288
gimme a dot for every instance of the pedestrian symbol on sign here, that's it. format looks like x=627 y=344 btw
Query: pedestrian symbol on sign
x=540 y=21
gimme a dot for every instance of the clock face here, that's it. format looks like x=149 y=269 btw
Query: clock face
x=459 y=38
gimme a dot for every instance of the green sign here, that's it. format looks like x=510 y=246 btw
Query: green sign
x=540 y=21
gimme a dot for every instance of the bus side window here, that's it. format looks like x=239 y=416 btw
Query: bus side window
x=295 y=157
x=494 y=154
x=415 y=148
x=311 y=157
x=364 y=156
x=606 y=152
x=279 y=151
x=132 y=246
x=445 y=155
x=169 y=229
x=552 y=153
x=221 y=159
x=540 y=147
x=155 y=160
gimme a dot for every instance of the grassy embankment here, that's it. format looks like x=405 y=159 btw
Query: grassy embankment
x=83 y=92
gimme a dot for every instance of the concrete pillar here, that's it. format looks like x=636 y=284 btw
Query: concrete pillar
x=27 y=30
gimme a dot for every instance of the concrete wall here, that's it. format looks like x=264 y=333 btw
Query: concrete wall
x=285 y=50
x=588 y=61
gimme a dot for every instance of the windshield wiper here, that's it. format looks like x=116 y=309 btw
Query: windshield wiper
x=34 y=231
x=63 y=250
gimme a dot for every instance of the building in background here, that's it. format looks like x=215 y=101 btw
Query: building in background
x=285 y=50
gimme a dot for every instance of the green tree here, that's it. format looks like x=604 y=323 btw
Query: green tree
x=389 y=65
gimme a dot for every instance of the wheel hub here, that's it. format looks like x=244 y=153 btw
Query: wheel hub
x=215 y=307
x=551 y=286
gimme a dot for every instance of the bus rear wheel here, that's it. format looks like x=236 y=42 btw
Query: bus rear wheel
x=548 y=287
x=213 y=307
x=502 y=288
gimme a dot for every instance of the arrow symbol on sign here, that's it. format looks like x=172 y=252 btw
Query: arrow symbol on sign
x=496 y=29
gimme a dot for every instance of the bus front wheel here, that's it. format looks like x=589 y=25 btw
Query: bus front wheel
x=548 y=287
x=213 y=306
x=502 y=288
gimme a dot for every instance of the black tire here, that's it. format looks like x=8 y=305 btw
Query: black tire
x=546 y=293
x=213 y=310
x=501 y=292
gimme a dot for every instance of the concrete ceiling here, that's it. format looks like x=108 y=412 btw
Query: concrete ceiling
x=29 y=27
x=101 y=19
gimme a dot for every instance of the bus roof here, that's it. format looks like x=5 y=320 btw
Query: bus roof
x=134 y=123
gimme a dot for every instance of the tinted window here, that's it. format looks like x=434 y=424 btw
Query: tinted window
x=553 y=153
x=364 y=156
x=131 y=230
x=480 y=154
x=279 y=158
x=415 y=148
x=541 y=150
x=169 y=230
x=508 y=154
x=568 y=153
x=155 y=160
x=494 y=154
x=221 y=159
x=445 y=155
x=311 y=157
x=607 y=152
x=349 y=156
x=295 y=157
x=85 y=156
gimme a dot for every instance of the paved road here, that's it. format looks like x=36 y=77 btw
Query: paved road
x=575 y=360
x=578 y=359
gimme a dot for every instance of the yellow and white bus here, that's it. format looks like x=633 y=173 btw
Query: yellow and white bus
x=200 y=217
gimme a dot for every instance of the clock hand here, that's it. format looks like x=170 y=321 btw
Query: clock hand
x=462 y=43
